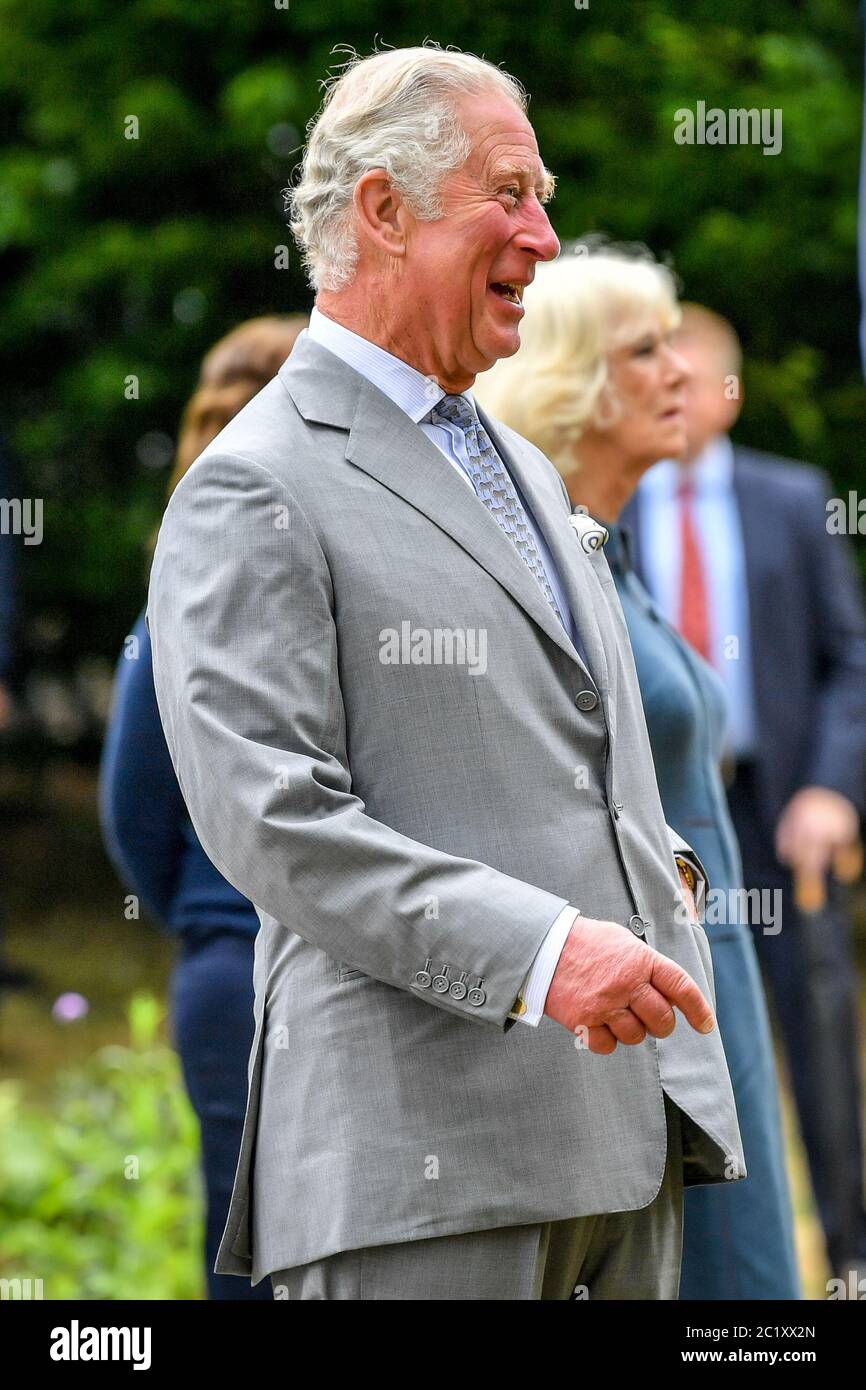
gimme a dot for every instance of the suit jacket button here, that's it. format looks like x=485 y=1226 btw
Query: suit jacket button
x=637 y=925
x=586 y=700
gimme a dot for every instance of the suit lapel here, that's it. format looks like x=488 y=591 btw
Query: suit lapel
x=390 y=447
x=386 y=444
x=757 y=536
x=576 y=568
x=758 y=542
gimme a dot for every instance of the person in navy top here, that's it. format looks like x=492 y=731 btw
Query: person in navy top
x=152 y=844
x=600 y=388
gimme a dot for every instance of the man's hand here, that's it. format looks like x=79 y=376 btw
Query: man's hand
x=619 y=989
x=814 y=826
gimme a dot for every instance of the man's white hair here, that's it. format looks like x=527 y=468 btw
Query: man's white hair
x=394 y=110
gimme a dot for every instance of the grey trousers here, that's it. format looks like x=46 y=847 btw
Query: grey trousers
x=619 y=1255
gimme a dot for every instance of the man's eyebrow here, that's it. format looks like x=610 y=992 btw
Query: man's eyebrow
x=545 y=182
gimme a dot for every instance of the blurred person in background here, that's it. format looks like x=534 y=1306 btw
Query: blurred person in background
x=599 y=388
x=736 y=548
x=154 y=847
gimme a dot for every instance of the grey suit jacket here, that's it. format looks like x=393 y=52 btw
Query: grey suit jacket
x=397 y=823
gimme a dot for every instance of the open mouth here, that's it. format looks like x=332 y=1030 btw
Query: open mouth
x=508 y=290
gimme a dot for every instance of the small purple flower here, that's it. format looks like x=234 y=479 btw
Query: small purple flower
x=69 y=1007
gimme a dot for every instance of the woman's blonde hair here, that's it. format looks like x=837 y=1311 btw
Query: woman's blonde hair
x=233 y=371
x=579 y=308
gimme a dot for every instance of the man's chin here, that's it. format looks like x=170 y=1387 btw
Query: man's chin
x=503 y=343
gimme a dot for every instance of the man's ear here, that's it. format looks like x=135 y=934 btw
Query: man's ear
x=733 y=403
x=380 y=212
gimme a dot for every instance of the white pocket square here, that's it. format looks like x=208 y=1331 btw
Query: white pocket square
x=591 y=534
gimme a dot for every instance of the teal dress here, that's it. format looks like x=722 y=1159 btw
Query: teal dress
x=738 y=1241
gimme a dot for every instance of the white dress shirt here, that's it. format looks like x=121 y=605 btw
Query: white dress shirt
x=416 y=395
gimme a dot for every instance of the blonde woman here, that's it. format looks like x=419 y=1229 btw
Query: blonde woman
x=599 y=387
x=154 y=847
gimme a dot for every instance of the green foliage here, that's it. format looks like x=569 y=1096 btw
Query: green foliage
x=99 y=1194
x=131 y=256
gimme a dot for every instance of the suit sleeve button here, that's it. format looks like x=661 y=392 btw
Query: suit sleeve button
x=477 y=996
x=423 y=977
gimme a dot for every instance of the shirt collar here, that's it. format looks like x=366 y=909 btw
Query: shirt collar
x=712 y=471
x=408 y=388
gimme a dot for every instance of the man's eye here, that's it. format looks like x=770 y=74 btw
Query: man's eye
x=513 y=189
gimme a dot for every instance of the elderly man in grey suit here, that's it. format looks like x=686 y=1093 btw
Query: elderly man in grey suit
x=399 y=696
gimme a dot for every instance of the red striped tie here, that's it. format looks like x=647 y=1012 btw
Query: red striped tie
x=694 y=619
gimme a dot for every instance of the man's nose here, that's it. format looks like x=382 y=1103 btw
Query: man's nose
x=679 y=371
x=538 y=236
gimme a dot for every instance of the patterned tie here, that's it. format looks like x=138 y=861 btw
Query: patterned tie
x=495 y=488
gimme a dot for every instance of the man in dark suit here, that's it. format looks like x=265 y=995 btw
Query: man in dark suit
x=737 y=548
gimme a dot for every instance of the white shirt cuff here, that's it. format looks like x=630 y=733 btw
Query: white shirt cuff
x=534 y=989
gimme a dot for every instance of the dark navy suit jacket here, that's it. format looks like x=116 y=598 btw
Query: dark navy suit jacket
x=808 y=632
